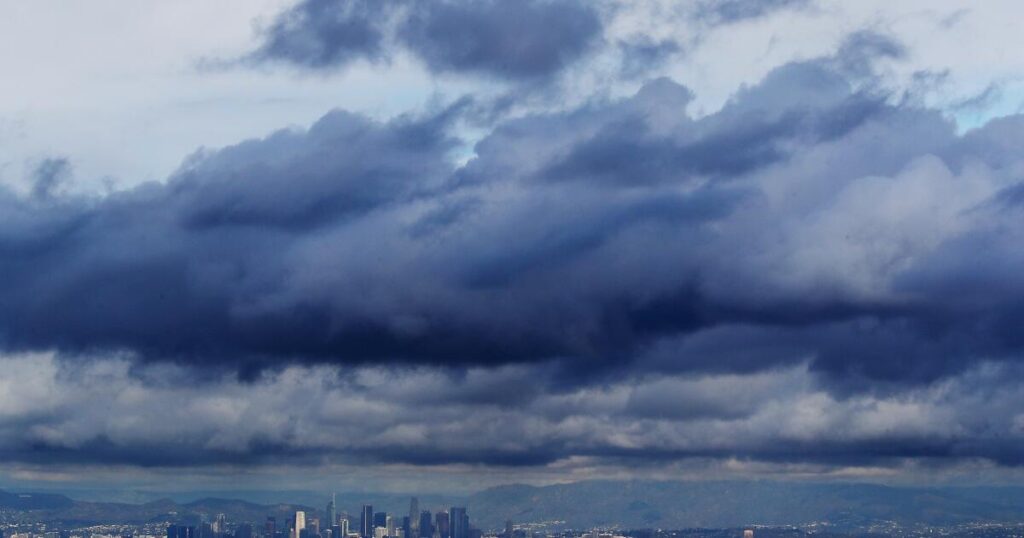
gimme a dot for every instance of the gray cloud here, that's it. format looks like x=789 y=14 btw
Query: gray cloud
x=106 y=412
x=843 y=259
x=583 y=236
x=731 y=11
x=326 y=33
x=509 y=40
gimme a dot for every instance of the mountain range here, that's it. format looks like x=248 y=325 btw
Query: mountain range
x=622 y=504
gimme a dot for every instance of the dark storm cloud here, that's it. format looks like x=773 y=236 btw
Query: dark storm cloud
x=843 y=260
x=583 y=236
x=512 y=40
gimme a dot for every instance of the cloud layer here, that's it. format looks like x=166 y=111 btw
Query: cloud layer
x=819 y=272
x=107 y=412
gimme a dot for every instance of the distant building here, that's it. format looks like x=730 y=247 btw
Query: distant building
x=441 y=522
x=270 y=527
x=331 y=513
x=181 y=531
x=749 y=533
x=459 y=522
x=426 y=526
x=366 y=521
x=413 y=530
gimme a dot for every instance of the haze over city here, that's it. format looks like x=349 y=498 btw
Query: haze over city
x=273 y=249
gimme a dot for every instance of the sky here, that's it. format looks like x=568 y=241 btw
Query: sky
x=411 y=245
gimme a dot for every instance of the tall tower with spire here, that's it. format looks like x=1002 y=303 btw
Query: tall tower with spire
x=414 y=518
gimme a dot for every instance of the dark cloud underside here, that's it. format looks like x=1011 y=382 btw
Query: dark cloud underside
x=604 y=272
x=582 y=236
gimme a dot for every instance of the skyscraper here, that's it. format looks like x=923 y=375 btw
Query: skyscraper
x=459 y=522
x=443 y=528
x=414 y=518
x=180 y=531
x=366 y=521
x=332 y=515
x=300 y=521
x=426 y=527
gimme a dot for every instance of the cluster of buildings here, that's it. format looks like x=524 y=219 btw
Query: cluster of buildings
x=446 y=523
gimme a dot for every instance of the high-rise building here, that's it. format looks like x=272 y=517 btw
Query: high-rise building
x=366 y=521
x=441 y=522
x=380 y=520
x=414 y=518
x=298 y=524
x=270 y=527
x=509 y=532
x=426 y=526
x=391 y=527
x=181 y=531
x=343 y=523
x=331 y=513
x=459 y=522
